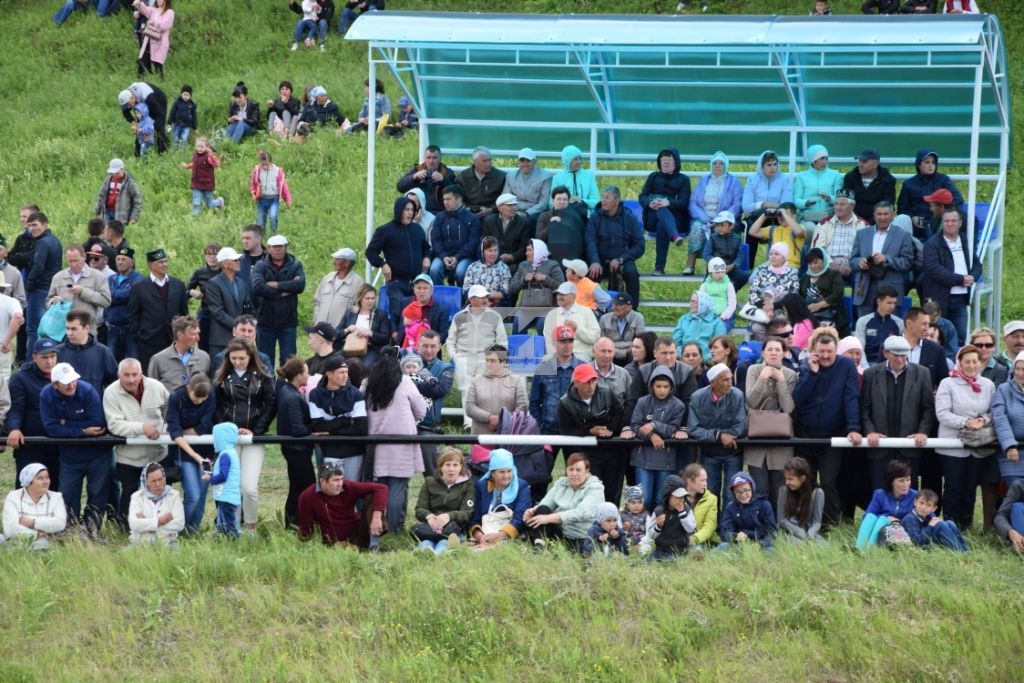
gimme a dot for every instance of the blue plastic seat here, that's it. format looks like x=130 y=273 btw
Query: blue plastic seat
x=450 y=298
x=525 y=352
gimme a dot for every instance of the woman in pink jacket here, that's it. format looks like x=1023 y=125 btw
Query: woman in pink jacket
x=159 y=19
x=269 y=188
x=393 y=406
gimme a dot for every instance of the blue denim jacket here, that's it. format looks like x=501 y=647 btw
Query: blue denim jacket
x=550 y=383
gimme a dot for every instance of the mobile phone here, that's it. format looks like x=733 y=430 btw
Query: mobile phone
x=70 y=286
x=207 y=466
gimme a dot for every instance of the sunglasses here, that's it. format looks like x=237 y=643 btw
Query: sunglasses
x=784 y=334
x=985 y=346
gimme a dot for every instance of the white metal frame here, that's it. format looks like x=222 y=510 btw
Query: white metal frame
x=789 y=45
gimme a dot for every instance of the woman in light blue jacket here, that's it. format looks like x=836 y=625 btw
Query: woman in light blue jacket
x=582 y=183
x=766 y=190
x=814 y=191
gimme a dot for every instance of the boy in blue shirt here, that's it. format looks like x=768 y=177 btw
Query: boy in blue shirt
x=226 y=478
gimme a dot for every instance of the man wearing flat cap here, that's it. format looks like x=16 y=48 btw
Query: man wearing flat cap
x=119 y=339
x=154 y=302
x=510 y=227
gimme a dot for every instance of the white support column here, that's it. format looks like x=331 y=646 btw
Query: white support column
x=371 y=152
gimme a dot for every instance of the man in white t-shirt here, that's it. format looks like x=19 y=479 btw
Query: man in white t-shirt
x=11 y=320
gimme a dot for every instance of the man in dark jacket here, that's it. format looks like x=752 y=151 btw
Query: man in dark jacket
x=551 y=381
x=338 y=409
x=926 y=182
x=71 y=408
x=431 y=176
x=227 y=297
x=120 y=342
x=90 y=359
x=278 y=280
x=665 y=199
x=400 y=249
x=435 y=382
x=481 y=183
x=454 y=239
x=827 y=405
x=615 y=240
x=924 y=351
x=20 y=256
x=896 y=401
x=153 y=303
x=511 y=228
x=950 y=270
x=24 y=418
x=436 y=314
x=47 y=256
x=870 y=184
x=589 y=409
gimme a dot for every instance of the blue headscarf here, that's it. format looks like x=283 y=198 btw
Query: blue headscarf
x=704 y=303
x=501 y=459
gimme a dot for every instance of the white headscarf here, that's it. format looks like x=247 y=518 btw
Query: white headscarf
x=540 y=252
x=29 y=472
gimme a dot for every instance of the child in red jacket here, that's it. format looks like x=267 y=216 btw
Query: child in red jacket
x=203 y=163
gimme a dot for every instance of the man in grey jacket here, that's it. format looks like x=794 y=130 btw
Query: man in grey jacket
x=120 y=197
x=173 y=366
x=896 y=401
x=86 y=287
x=622 y=324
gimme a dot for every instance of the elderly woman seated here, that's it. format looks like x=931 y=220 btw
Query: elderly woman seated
x=33 y=513
x=156 y=513
x=501 y=500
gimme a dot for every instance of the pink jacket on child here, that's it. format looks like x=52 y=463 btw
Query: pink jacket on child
x=283 y=193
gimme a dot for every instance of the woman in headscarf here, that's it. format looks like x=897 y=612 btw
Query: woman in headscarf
x=536 y=272
x=156 y=513
x=499 y=492
x=665 y=199
x=700 y=325
x=1008 y=417
x=852 y=348
x=822 y=289
x=765 y=191
x=716 y=192
x=35 y=513
x=814 y=191
x=582 y=184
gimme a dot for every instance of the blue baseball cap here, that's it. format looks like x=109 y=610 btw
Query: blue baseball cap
x=44 y=346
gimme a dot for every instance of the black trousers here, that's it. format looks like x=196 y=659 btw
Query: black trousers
x=551 y=532
x=962 y=478
x=128 y=477
x=609 y=465
x=300 y=477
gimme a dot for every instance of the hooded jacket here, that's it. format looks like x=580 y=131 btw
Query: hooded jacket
x=729 y=199
x=619 y=236
x=278 y=307
x=700 y=327
x=811 y=183
x=667 y=415
x=916 y=188
x=674 y=186
x=761 y=189
x=455 y=233
x=581 y=183
x=673 y=536
x=403 y=247
x=756 y=519
x=226 y=478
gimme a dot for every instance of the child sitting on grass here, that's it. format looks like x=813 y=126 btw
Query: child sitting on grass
x=226 y=479
x=606 y=533
x=801 y=502
x=925 y=528
x=721 y=291
x=204 y=182
x=634 y=517
x=672 y=524
x=748 y=517
x=889 y=505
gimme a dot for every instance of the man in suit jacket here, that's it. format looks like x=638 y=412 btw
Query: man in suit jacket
x=153 y=303
x=924 y=352
x=896 y=401
x=880 y=256
x=950 y=270
x=227 y=297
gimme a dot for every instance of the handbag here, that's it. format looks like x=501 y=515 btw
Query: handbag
x=753 y=314
x=894 y=534
x=763 y=423
x=493 y=521
x=536 y=297
x=356 y=346
x=978 y=438
x=152 y=31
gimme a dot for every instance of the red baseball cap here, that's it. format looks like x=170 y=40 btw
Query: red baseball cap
x=940 y=196
x=584 y=373
x=564 y=332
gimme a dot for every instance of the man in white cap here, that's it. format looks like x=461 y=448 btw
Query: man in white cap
x=278 y=280
x=71 y=408
x=120 y=197
x=474 y=329
x=11 y=320
x=1013 y=340
x=589 y=294
x=896 y=401
x=718 y=413
x=573 y=315
x=530 y=185
x=510 y=227
x=227 y=297
x=337 y=290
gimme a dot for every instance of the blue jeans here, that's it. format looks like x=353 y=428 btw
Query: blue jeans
x=239 y=129
x=120 y=343
x=108 y=8
x=67 y=8
x=200 y=197
x=307 y=26
x=35 y=305
x=97 y=471
x=662 y=222
x=180 y=134
x=268 y=208
x=720 y=469
x=348 y=15
x=398 y=498
x=1017 y=517
x=652 y=482
x=438 y=272
x=227 y=519
x=195 y=492
x=268 y=338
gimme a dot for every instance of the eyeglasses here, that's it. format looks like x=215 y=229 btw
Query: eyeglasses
x=787 y=333
x=985 y=346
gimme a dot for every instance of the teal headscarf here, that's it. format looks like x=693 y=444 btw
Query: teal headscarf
x=501 y=459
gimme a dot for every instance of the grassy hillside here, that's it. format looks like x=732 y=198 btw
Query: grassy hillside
x=270 y=608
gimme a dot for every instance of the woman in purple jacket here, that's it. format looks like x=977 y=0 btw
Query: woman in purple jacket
x=717 y=191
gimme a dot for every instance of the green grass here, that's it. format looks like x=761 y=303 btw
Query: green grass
x=275 y=609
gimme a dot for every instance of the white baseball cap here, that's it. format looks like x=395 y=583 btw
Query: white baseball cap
x=723 y=217
x=277 y=241
x=566 y=288
x=345 y=253
x=64 y=373
x=507 y=198
x=116 y=166
x=227 y=254
x=477 y=290
x=527 y=153
x=575 y=264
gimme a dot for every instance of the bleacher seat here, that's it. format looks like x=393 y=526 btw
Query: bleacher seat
x=848 y=303
x=904 y=307
x=450 y=298
x=525 y=352
x=633 y=206
x=750 y=352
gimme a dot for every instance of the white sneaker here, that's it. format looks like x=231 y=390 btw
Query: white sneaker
x=323 y=48
x=295 y=46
